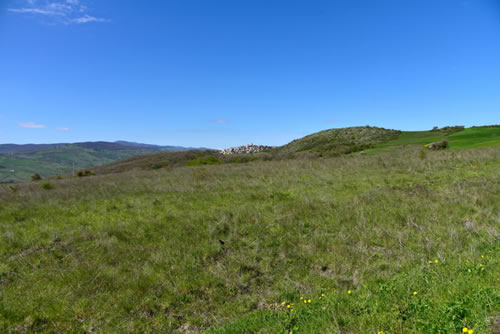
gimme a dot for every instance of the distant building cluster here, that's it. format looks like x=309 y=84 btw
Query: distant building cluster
x=245 y=149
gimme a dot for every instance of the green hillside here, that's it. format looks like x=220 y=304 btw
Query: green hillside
x=353 y=244
x=476 y=137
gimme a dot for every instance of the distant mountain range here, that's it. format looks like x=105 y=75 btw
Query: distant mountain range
x=20 y=162
x=98 y=145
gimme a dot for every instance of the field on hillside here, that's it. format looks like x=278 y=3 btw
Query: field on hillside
x=468 y=138
x=57 y=160
x=394 y=242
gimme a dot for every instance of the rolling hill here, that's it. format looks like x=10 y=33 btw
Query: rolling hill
x=19 y=162
x=328 y=143
x=341 y=141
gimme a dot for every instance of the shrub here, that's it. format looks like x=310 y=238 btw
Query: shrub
x=84 y=173
x=14 y=188
x=452 y=129
x=422 y=155
x=440 y=145
x=36 y=177
x=47 y=186
x=157 y=166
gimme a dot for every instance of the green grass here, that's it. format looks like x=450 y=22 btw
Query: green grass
x=212 y=247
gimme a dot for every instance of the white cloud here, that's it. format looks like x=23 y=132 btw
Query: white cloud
x=58 y=11
x=35 y=11
x=31 y=125
x=87 y=18
x=62 y=129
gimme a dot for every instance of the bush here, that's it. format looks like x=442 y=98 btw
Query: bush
x=439 y=145
x=452 y=129
x=47 y=186
x=83 y=173
x=36 y=177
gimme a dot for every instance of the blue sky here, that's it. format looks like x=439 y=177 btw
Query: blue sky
x=223 y=72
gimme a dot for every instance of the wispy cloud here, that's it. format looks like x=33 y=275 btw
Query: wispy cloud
x=58 y=11
x=88 y=18
x=35 y=11
x=62 y=129
x=31 y=125
x=219 y=121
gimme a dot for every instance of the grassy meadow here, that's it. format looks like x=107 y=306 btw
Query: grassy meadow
x=397 y=242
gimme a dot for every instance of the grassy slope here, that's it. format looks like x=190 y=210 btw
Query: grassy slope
x=475 y=137
x=160 y=160
x=471 y=137
x=142 y=252
x=54 y=161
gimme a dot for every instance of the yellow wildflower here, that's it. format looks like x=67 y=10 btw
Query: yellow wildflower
x=283 y=303
x=349 y=292
x=470 y=331
x=288 y=306
x=308 y=300
x=415 y=293
x=436 y=261
x=430 y=261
